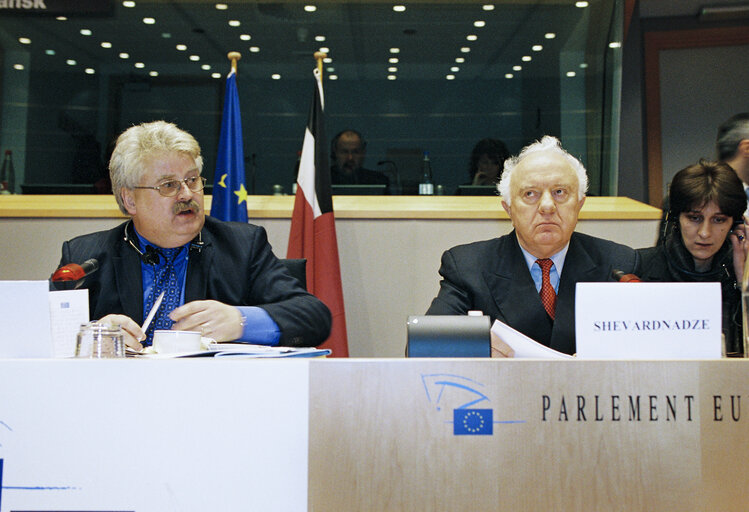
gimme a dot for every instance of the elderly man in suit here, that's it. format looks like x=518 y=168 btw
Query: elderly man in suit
x=527 y=278
x=220 y=278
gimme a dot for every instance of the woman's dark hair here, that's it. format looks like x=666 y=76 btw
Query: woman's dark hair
x=699 y=184
x=493 y=148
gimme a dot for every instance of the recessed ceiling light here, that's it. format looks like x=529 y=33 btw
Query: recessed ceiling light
x=479 y=23
x=570 y=74
x=330 y=69
x=581 y=4
x=517 y=68
x=149 y=21
x=472 y=37
x=319 y=39
x=85 y=31
x=450 y=77
x=181 y=47
x=393 y=60
x=333 y=77
x=195 y=58
x=276 y=76
x=49 y=52
x=18 y=67
x=455 y=69
x=139 y=65
x=106 y=44
x=124 y=55
x=488 y=7
x=245 y=37
x=310 y=8
x=153 y=73
x=537 y=47
x=254 y=49
x=615 y=44
x=550 y=35
x=392 y=69
x=62 y=18
x=234 y=23
x=205 y=67
x=459 y=60
x=24 y=40
x=465 y=49
x=526 y=58
x=327 y=60
x=215 y=75
x=221 y=7
x=90 y=71
x=166 y=35
x=583 y=65
x=128 y=3
x=324 y=49
x=71 y=62
x=395 y=50
x=399 y=8
x=509 y=76
x=392 y=77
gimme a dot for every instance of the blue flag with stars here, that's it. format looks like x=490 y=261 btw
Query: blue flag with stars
x=229 y=193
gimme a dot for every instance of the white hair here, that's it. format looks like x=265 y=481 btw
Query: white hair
x=547 y=144
x=137 y=143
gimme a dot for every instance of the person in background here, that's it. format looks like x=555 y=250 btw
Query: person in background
x=219 y=278
x=487 y=158
x=347 y=151
x=732 y=144
x=527 y=278
x=705 y=241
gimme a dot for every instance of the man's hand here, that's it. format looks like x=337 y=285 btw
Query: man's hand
x=211 y=318
x=133 y=334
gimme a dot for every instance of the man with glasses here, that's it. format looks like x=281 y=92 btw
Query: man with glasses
x=198 y=273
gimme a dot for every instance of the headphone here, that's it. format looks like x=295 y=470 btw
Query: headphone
x=152 y=256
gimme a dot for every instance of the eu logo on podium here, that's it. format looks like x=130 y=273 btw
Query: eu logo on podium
x=472 y=422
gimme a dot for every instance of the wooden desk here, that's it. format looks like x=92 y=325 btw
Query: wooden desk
x=374 y=435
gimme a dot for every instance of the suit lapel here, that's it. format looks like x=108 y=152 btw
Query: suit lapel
x=199 y=262
x=578 y=267
x=511 y=285
x=129 y=278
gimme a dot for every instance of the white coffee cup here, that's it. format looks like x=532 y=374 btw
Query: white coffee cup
x=171 y=342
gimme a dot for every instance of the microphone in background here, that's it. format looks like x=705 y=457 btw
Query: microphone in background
x=621 y=277
x=71 y=276
x=395 y=171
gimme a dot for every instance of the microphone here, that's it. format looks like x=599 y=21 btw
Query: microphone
x=621 y=277
x=73 y=274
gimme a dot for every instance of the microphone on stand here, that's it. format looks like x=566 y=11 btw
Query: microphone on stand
x=620 y=277
x=394 y=169
x=70 y=276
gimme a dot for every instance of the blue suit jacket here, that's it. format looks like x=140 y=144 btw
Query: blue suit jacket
x=235 y=266
x=492 y=276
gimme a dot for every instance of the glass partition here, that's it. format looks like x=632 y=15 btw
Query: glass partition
x=422 y=76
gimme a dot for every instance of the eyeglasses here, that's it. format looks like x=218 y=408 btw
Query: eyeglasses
x=169 y=188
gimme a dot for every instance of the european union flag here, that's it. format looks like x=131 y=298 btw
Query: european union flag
x=229 y=193
x=473 y=422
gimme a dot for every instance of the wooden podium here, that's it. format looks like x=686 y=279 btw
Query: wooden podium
x=564 y=435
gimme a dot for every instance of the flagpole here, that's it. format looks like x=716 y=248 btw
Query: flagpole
x=319 y=56
x=234 y=57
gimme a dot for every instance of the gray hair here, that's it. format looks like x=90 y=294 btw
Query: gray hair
x=730 y=134
x=547 y=144
x=136 y=144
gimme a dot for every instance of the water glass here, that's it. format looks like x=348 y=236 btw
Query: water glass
x=98 y=341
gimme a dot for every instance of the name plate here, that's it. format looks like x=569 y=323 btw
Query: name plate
x=648 y=320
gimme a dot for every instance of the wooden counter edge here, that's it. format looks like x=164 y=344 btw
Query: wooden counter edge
x=345 y=207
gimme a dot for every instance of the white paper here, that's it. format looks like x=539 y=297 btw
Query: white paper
x=648 y=320
x=524 y=346
x=68 y=309
x=24 y=313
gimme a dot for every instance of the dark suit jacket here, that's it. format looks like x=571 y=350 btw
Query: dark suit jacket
x=492 y=276
x=362 y=177
x=236 y=266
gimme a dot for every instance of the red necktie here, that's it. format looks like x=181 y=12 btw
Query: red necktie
x=548 y=296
